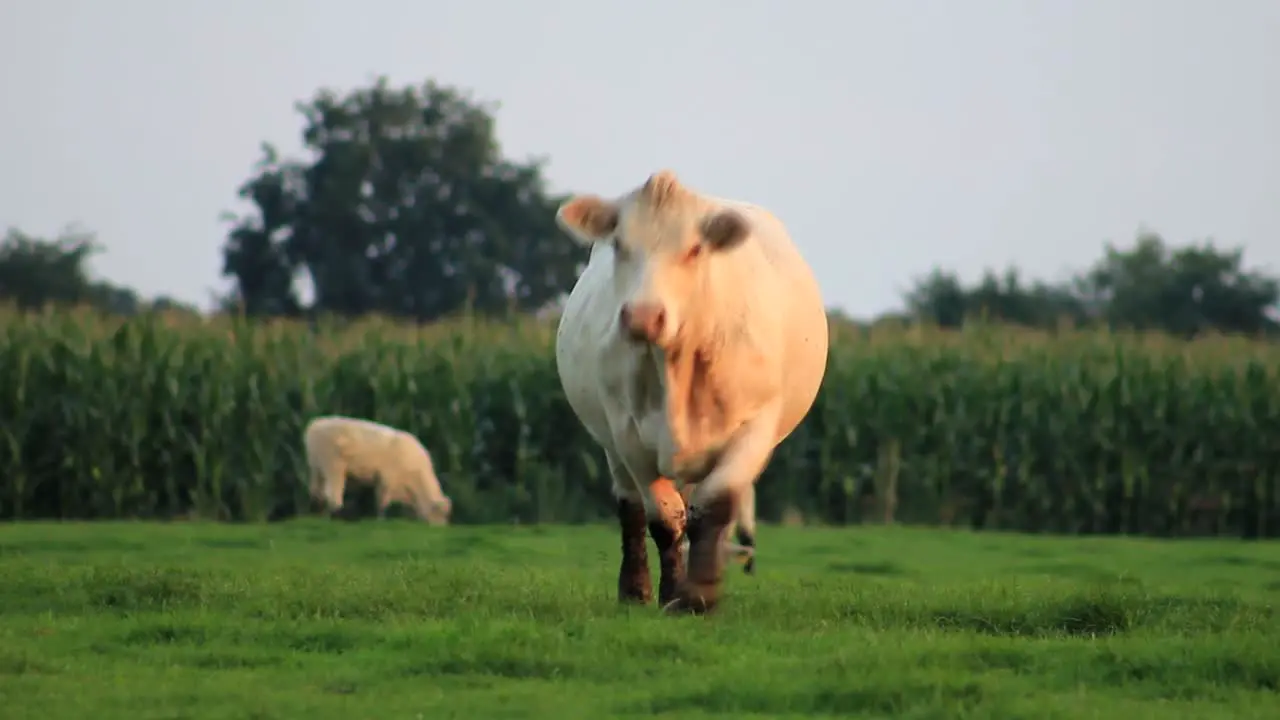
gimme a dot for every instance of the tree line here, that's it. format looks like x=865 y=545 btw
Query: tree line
x=404 y=206
x=1184 y=291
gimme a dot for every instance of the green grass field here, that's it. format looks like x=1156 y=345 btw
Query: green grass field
x=314 y=619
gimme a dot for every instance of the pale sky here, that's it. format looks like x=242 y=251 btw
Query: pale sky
x=891 y=136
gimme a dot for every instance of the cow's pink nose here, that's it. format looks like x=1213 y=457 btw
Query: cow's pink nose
x=643 y=321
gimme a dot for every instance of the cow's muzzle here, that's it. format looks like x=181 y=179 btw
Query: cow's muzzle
x=643 y=322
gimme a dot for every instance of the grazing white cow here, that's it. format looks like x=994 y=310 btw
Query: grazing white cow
x=371 y=452
x=693 y=343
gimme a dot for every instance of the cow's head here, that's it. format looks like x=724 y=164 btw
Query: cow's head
x=666 y=241
x=437 y=511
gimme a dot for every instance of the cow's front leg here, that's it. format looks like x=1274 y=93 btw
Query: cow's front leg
x=634 y=584
x=708 y=530
x=711 y=511
x=667 y=527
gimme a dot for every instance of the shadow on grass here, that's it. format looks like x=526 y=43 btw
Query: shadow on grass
x=17 y=663
x=144 y=589
x=1076 y=617
x=826 y=699
x=1236 y=561
x=873 y=568
x=1184 y=677
x=232 y=543
x=26 y=548
x=1004 y=612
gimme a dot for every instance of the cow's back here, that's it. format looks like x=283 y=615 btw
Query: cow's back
x=360 y=443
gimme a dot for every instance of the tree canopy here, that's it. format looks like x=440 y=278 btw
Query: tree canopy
x=36 y=273
x=405 y=208
x=1150 y=286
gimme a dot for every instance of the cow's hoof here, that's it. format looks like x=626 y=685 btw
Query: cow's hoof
x=694 y=600
x=631 y=598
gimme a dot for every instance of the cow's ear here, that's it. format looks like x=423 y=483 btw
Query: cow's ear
x=588 y=218
x=725 y=230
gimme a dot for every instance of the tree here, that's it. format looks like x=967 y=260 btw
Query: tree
x=1184 y=291
x=406 y=208
x=941 y=298
x=257 y=251
x=37 y=272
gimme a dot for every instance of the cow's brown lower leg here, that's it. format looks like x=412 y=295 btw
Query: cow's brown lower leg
x=707 y=529
x=667 y=531
x=670 y=559
x=634 y=584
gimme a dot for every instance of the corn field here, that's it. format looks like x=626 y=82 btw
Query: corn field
x=1071 y=432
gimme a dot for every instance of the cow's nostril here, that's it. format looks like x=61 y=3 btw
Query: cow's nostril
x=656 y=324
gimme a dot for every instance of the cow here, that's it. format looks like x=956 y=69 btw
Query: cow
x=694 y=341
x=370 y=452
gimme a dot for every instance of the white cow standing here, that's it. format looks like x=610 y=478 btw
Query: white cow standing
x=693 y=343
